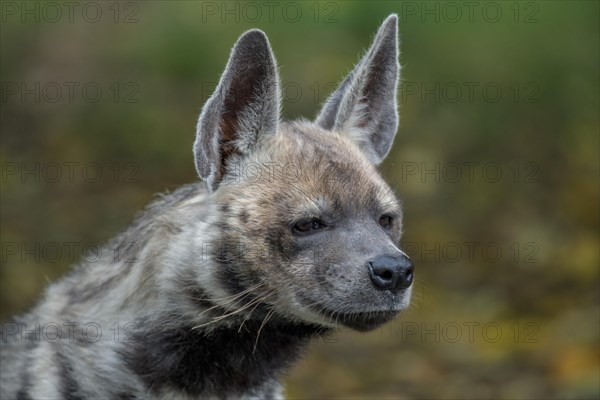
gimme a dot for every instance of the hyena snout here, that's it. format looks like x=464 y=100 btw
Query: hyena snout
x=391 y=273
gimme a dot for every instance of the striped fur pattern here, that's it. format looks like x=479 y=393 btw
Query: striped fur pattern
x=217 y=288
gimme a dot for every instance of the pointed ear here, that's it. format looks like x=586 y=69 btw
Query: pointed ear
x=244 y=106
x=364 y=106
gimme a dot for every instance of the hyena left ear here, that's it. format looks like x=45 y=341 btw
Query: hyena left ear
x=364 y=106
x=244 y=106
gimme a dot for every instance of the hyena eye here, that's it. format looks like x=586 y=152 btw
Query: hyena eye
x=386 y=221
x=308 y=226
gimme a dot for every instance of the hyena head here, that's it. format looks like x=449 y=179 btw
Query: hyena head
x=307 y=228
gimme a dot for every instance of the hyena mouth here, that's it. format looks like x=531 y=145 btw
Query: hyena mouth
x=364 y=321
x=359 y=320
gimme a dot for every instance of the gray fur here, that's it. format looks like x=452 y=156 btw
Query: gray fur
x=212 y=292
x=365 y=105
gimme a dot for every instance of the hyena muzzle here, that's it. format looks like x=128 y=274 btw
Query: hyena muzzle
x=293 y=234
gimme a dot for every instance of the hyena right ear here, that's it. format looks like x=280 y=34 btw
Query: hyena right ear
x=244 y=106
x=364 y=106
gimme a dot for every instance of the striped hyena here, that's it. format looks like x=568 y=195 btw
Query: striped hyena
x=293 y=234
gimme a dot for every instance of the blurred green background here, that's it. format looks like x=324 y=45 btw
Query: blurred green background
x=496 y=161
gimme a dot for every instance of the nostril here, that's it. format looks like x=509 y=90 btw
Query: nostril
x=386 y=275
x=407 y=276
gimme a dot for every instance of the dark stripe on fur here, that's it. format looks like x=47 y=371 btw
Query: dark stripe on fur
x=220 y=361
x=68 y=385
x=23 y=395
x=201 y=299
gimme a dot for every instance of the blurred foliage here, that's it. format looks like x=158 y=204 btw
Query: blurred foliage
x=541 y=133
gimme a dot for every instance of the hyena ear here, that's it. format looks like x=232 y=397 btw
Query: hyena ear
x=244 y=106
x=364 y=106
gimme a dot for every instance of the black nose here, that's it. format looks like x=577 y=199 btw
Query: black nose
x=391 y=273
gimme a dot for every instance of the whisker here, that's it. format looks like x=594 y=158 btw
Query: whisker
x=269 y=314
x=231 y=298
x=224 y=316
x=250 y=313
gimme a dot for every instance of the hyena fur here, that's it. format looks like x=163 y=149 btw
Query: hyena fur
x=232 y=278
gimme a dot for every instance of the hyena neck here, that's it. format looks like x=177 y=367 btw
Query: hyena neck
x=221 y=360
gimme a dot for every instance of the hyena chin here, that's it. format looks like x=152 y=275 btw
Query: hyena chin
x=222 y=285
